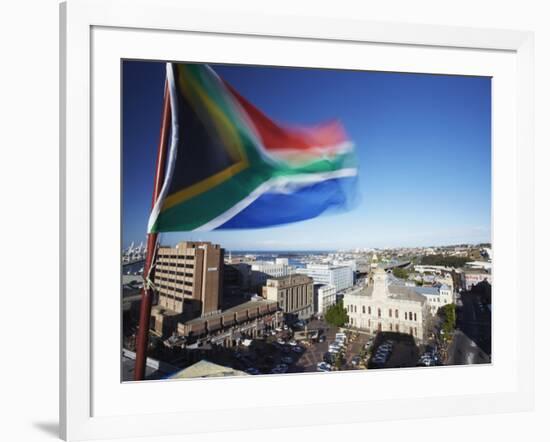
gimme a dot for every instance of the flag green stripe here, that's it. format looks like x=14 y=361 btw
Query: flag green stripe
x=204 y=207
x=200 y=209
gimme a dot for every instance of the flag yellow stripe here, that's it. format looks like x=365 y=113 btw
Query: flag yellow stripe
x=231 y=140
x=204 y=185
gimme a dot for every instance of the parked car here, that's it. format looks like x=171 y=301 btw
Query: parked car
x=292 y=342
x=252 y=371
x=355 y=360
x=340 y=336
x=323 y=366
x=379 y=360
x=322 y=338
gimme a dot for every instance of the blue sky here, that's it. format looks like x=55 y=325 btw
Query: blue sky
x=423 y=143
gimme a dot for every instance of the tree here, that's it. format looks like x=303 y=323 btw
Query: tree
x=336 y=315
x=447 y=313
x=400 y=272
x=447 y=261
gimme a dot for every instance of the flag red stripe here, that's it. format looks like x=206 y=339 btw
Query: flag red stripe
x=276 y=136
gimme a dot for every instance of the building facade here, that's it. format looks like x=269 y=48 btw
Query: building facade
x=227 y=327
x=188 y=281
x=324 y=296
x=341 y=277
x=294 y=293
x=380 y=306
x=189 y=276
x=436 y=297
x=263 y=270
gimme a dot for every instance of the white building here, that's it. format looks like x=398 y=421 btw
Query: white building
x=346 y=262
x=381 y=306
x=341 y=277
x=323 y=296
x=263 y=270
x=437 y=297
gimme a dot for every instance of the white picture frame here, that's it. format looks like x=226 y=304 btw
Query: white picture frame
x=85 y=390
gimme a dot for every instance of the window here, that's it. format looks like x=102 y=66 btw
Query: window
x=391 y=326
x=390 y=312
x=405 y=316
x=396 y=327
x=396 y=313
x=415 y=331
x=410 y=316
x=363 y=309
x=415 y=316
x=369 y=310
x=379 y=313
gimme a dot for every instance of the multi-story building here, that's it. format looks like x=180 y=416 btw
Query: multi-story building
x=294 y=293
x=323 y=297
x=341 y=277
x=263 y=270
x=380 y=306
x=436 y=297
x=189 y=274
x=346 y=262
x=188 y=279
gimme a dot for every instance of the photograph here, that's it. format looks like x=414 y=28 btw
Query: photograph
x=282 y=220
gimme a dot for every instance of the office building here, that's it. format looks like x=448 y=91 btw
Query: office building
x=294 y=293
x=341 y=277
x=188 y=281
x=324 y=296
x=263 y=270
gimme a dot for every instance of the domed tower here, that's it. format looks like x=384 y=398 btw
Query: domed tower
x=374 y=262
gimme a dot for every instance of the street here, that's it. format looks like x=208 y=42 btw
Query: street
x=471 y=343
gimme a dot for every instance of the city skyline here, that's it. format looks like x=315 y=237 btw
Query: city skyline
x=423 y=142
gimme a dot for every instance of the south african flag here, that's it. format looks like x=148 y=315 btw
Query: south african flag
x=229 y=166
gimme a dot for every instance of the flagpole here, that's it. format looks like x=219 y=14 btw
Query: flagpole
x=142 y=339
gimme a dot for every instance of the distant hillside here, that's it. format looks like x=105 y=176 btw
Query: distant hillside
x=447 y=261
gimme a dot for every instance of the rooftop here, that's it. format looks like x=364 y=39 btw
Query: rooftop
x=206 y=369
x=240 y=307
x=395 y=291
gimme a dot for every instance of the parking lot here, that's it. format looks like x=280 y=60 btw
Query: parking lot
x=400 y=350
x=281 y=353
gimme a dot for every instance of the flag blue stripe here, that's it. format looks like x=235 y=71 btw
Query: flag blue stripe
x=273 y=209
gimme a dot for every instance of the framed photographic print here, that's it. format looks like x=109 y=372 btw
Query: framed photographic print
x=264 y=212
